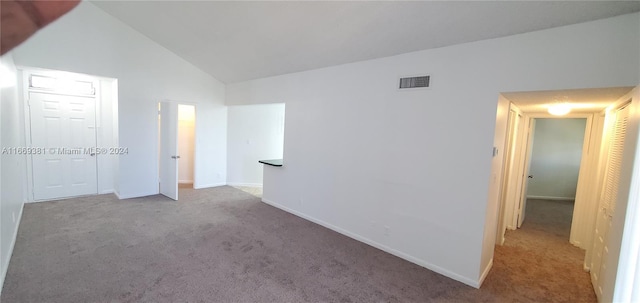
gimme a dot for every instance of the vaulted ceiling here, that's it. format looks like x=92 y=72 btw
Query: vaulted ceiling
x=238 y=41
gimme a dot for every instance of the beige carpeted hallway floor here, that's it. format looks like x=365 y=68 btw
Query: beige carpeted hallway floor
x=538 y=261
x=224 y=245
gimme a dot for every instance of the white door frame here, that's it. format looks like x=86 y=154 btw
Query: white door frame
x=526 y=150
x=509 y=171
x=26 y=89
x=582 y=221
x=195 y=140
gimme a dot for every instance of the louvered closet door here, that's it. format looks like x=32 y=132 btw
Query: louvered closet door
x=608 y=199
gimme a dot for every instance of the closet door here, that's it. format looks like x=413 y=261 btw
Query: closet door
x=608 y=199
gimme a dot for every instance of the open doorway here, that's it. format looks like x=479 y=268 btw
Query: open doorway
x=554 y=167
x=176 y=147
x=255 y=132
x=526 y=108
x=552 y=250
x=186 y=144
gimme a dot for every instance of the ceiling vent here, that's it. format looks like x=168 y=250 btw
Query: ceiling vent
x=414 y=82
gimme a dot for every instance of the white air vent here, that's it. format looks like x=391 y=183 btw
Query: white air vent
x=414 y=82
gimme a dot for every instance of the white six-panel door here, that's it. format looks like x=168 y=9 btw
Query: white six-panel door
x=64 y=126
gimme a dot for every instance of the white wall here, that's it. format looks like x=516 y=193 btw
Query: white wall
x=12 y=166
x=255 y=132
x=186 y=140
x=410 y=172
x=89 y=41
x=555 y=158
x=107 y=134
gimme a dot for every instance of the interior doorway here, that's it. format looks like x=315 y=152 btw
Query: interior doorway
x=186 y=144
x=597 y=225
x=546 y=160
x=176 y=147
x=557 y=147
x=71 y=134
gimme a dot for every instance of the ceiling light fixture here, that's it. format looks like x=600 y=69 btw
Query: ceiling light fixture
x=560 y=108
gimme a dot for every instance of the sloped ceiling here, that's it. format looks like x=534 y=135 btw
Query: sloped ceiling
x=238 y=41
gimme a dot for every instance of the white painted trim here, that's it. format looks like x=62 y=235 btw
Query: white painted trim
x=486 y=271
x=526 y=153
x=245 y=184
x=552 y=198
x=185 y=181
x=66 y=198
x=437 y=269
x=507 y=188
x=200 y=186
x=11 y=247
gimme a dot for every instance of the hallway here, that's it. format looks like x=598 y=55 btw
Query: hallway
x=537 y=260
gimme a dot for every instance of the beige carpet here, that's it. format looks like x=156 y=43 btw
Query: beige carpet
x=537 y=260
x=224 y=245
x=252 y=190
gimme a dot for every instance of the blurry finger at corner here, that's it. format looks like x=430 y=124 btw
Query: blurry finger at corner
x=21 y=19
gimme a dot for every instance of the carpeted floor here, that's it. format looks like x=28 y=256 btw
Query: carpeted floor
x=224 y=245
x=253 y=190
x=538 y=261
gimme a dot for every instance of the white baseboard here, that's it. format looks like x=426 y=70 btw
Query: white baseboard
x=552 y=198
x=246 y=184
x=577 y=244
x=440 y=270
x=66 y=198
x=185 y=181
x=106 y=191
x=485 y=273
x=501 y=240
x=200 y=186
x=11 y=246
